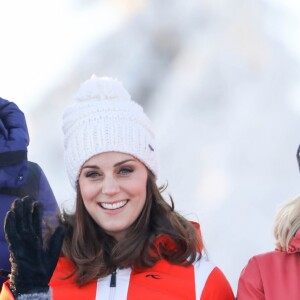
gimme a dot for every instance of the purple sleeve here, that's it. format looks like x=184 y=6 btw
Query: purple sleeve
x=14 y=140
x=46 y=197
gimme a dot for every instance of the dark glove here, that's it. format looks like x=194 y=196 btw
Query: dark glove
x=14 y=140
x=31 y=265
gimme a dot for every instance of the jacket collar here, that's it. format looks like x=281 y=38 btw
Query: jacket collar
x=294 y=245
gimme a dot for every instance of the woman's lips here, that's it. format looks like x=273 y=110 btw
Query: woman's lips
x=114 y=205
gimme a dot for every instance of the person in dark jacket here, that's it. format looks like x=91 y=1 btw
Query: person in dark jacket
x=18 y=176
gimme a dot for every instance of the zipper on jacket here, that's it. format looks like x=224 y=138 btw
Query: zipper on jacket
x=113 y=285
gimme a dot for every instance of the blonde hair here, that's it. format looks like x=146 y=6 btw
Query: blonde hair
x=287 y=223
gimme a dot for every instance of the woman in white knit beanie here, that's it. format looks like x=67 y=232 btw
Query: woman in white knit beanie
x=124 y=241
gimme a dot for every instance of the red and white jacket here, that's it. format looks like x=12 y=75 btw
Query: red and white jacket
x=200 y=281
x=165 y=281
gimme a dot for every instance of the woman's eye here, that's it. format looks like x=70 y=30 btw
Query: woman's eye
x=125 y=170
x=92 y=174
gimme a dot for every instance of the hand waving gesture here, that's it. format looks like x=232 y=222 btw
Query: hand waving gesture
x=32 y=264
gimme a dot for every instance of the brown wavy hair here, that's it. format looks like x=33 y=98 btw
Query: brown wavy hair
x=158 y=233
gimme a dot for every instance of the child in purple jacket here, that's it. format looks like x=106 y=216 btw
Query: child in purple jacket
x=18 y=176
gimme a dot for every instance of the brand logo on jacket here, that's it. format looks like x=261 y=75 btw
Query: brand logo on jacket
x=154 y=276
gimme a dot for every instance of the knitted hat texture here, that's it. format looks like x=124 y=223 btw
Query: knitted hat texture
x=103 y=118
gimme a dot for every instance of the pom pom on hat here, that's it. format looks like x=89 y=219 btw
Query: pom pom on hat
x=103 y=88
x=103 y=118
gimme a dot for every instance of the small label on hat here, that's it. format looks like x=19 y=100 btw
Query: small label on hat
x=150 y=147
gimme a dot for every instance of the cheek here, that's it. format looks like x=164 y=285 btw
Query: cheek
x=88 y=191
x=139 y=189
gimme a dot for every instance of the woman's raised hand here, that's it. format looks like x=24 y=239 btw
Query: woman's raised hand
x=32 y=264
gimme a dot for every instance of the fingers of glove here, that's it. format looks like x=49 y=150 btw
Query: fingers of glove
x=37 y=219
x=23 y=217
x=11 y=233
x=54 y=248
x=32 y=222
x=17 y=209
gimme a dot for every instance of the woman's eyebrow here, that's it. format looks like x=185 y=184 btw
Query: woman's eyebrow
x=90 y=166
x=115 y=165
x=123 y=161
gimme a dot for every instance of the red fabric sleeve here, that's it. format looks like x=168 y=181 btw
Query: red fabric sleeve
x=6 y=293
x=217 y=287
x=250 y=284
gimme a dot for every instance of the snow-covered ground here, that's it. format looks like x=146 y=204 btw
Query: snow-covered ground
x=219 y=79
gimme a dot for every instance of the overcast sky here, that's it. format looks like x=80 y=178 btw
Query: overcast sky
x=41 y=39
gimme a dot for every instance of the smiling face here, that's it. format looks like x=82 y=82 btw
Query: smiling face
x=113 y=189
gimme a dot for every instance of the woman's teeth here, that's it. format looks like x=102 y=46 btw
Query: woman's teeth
x=114 y=205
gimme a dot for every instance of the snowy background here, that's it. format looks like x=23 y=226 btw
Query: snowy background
x=219 y=79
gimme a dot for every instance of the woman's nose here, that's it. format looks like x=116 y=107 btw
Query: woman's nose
x=110 y=186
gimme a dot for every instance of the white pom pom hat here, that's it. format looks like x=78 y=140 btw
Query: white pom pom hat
x=103 y=118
